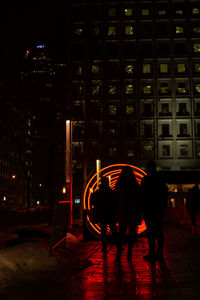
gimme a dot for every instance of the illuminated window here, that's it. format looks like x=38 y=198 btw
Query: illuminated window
x=197 y=67
x=131 y=153
x=196 y=47
x=147 y=89
x=96 y=30
x=181 y=88
x=162 y=12
x=163 y=68
x=112 y=110
x=79 y=31
x=179 y=29
x=129 y=89
x=146 y=68
x=112 y=89
x=164 y=88
x=112 y=30
x=181 y=68
x=179 y=12
x=148 y=148
x=128 y=12
x=129 y=69
x=112 y=151
x=197 y=87
x=78 y=70
x=129 y=109
x=112 y=12
x=129 y=30
x=196 y=29
x=95 y=90
x=195 y=11
x=145 y=12
x=95 y=69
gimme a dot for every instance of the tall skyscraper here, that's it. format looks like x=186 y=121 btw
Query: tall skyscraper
x=135 y=84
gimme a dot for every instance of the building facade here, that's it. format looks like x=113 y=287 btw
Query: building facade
x=135 y=84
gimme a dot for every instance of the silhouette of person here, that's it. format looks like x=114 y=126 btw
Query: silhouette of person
x=127 y=195
x=103 y=204
x=193 y=206
x=154 y=195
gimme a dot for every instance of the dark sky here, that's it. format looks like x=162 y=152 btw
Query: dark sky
x=23 y=25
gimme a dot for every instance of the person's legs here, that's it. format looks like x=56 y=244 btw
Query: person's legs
x=158 y=229
x=120 y=240
x=104 y=237
x=131 y=240
x=114 y=233
x=150 y=234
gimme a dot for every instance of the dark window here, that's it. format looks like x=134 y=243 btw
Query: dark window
x=164 y=49
x=148 y=130
x=129 y=50
x=182 y=110
x=146 y=50
x=112 y=49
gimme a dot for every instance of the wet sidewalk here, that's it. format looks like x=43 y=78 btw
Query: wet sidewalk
x=178 y=277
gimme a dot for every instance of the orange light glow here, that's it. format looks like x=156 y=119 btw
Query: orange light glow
x=111 y=172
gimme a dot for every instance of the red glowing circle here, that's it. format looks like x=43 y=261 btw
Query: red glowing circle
x=112 y=172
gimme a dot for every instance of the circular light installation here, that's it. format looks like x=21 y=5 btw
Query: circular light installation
x=112 y=172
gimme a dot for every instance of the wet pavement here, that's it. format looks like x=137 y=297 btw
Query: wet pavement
x=178 y=277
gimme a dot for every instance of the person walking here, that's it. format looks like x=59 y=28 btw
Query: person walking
x=154 y=195
x=103 y=207
x=127 y=195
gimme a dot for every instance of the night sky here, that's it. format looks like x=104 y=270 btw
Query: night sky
x=23 y=25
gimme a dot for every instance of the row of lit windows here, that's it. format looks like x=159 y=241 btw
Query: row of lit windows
x=166 y=150
x=113 y=49
x=114 y=129
x=145 y=29
x=113 y=68
x=162 y=10
x=164 y=108
x=146 y=88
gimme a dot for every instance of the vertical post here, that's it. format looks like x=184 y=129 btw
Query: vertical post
x=98 y=168
x=68 y=169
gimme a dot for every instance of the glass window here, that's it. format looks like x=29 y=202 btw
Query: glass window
x=112 y=89
x=147 y=130
x=179 y=29
x=184 y=150
x=165 y=130
x=183 y=129
x=181 y=68
x=147 y=89
x=129 y=89
x=196 y=29
x=197 y=87
x=128 y=12
x=112 y=151
x=164 y=109
x=182 y=88
x=95 y=69
x=182 y=109
x=196 y=48
x=163 y=68
x=112 y=110
x=165 y=150
x=129 y=109
x=78 y=70
x=96 y=30
x=112 y=12
x=129 y=30
x=195 y=11
x=179 y=11
x=129 y=69
x=95 y=90
x=112 y=30
x=146 y=68
x=197 y=67
x=145 y=12
x=162 y=11
x=79 y=31
x=147 y=109
x=164 y=88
